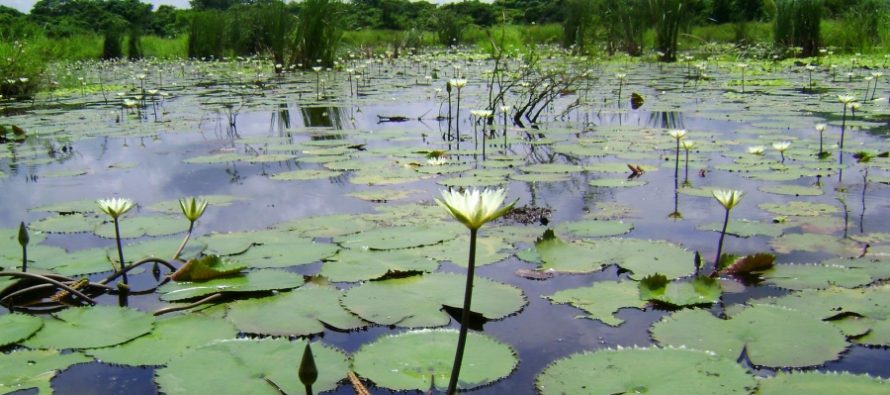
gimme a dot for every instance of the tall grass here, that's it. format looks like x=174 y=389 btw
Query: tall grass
x=860 y=28
x=798 y=25
x=22 y=69
x=111 y=44
x=165 y=48
x=578 y=24
x=206 y=38
x=624 y=23
x=668 y=16
x=319 y=33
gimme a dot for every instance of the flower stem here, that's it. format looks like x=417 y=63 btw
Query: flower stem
x=720 y=242
x=464 y=316
x=120 y=249
x=184 y=241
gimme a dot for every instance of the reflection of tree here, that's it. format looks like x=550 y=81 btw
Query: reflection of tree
x=667 y=120
x=332 y=117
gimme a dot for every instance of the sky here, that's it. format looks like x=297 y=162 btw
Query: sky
x=25 y=5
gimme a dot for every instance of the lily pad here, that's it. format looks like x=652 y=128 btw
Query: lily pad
x=814 y=276
x=172 y=206
x=26 y=369
x=306 y=174
x=401 y=237
x=602 y=299
x=358 y=265
x=261 y=280
x=73 y=223
x=170 y=337
x=79 y=328
x=616 y=183
x=295 y=251
x=793 y=190
x=746 y=228
x=798 y=208
x=303 y=311
x=645 y=370
x=417 y=301
x=327 y=225
x=206 y=268
x=595 y=228
x=819 y=383
x=815 y=243
x=16 y=327
x=417 y=360
x=133 y=227
x=489 y=249
x=248 y=366
x=772 y=336
x=701 y=290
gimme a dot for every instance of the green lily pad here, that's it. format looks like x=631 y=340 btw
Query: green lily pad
x=73 y=223
x=798 y=277
x=327 y=225
x=551 y=168
x=170 y=337
x=773 y=336
x=261 y=280
x=746 y=228
x=819 y=383
x=227 y=243
x=616 y=183
x=303 y=311
x=797 y=208
x=88 y=261
x=27 y=369
x=489 y=249
x=384 y=195
x=793 y=190
x=573 y=257
x=417 y=301
x=306 y=174
x=701 y=290
x=358 y=265
x=401 y=237
x=602 y=299
x=595 y=228
x=247 y=366
x=295 y=251
x=645 y=370
x=16 y=327
x=80 y=327
x=133 y=227
x=815 y=243
x=541 y=177
x=74 y=206
x=206 y=268
x=417 y=360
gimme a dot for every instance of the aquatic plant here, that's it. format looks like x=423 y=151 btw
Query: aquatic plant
x=621 y=77
x=781 y=146
x=23 y=239
x=115 y=208
x=846 y=101
x=308 y=372
x=687 y=145
x=677 y=134
x=192 y=208
x=473 y=208
x=728 y=199
x=821 y=129
x=742 y=67
x=456 y=83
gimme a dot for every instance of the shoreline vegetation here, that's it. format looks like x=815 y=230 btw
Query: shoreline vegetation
x=318 y=33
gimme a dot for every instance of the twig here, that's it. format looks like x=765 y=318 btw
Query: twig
x=115 y=275
x=188 y=306
x=51 y=281
x=357 y=384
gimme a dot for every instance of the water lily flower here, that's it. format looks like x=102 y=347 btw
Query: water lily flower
x=728 y=198
x=115 y=207
x=438 y=161
x=473 y=207
x=781 y=146
x=846 y=99
x=756 y=150
x=677 y=133
x=687 y=145
x=192 y=208
x=457 y=83
x=820 y=127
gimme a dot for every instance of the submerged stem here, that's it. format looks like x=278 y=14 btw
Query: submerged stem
x=464 y=317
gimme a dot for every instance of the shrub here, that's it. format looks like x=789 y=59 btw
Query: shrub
x=21 y=68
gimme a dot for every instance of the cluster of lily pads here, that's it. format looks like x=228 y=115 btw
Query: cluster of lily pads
x=248 y=301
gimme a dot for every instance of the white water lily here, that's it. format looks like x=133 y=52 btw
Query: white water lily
x=474 y=207
x=846 y=99
x=457 y=83
x=756 y=150
x=437 y=161
x=677 y=133
x=687 y=144
x=481 y=113
x=115 y=207
x=820 y=127
x=781 y=146
x=192 y=208
x=728 y=198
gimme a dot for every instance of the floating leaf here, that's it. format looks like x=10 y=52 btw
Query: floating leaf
x=602 y=299
x=595 y=228
x=575 y=257
x=248 y=366
x=746 y=228
x=73 y=223
x=296 y=251
x=400 y=237
x=328 y=225
x=418 y=359
x=701 y=290
x=172 y=206
x=814 y=276
x=748 y=264
x=815 y=243
x=773 y=336
x=645 y=370
x=359 y=265
x=206 y=268
x=793 y=190
x=74 y=206
x=797 y=208
x=616 y=183
x=91 y=327
x=489 y=250
x=261 y=280
x=26 y=369
x=417 y=301
x=170 y=337
x=15 y=327
x=133 y=227
x=301 y=312
x=819 y=383
x=307 y=174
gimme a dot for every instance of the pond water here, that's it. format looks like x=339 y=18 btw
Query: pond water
x=214 y=132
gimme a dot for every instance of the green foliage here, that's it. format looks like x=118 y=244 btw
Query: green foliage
x=206 y=34
x=449 y=27
x=111 y=45
x=668 y=16
x=624 y=23
x=797 y=25
x=578 y=24
x=21 y=68
x=318 y=34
